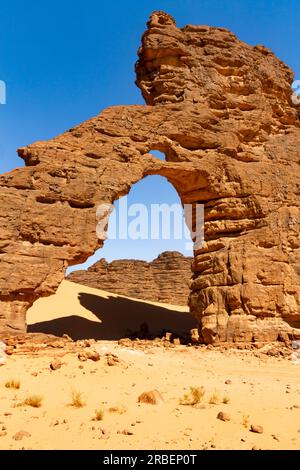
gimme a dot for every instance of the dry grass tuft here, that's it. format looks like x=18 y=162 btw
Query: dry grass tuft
x=77 y=399
x=12 y=383
x=193 y=397
x=33 y=400
x=215 y=398
x=99 y=414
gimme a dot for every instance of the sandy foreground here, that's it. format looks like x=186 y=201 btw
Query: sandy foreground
x=260 y=390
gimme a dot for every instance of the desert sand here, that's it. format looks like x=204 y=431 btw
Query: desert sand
x=84 y=312
x=251 y=388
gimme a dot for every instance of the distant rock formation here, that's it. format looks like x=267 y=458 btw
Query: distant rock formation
x=223 y=114
x=165 y=279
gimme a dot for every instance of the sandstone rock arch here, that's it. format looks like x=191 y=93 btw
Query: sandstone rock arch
x=222 y=113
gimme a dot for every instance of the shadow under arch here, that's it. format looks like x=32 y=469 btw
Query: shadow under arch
x=119 y=317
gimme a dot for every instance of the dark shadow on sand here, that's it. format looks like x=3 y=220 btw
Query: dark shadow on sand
x=120 y=317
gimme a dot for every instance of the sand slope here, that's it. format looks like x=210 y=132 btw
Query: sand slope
x=84 y=312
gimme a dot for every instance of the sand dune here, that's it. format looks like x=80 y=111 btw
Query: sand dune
x=84 y=312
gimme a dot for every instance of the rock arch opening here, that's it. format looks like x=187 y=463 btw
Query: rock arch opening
x=158 y=154
x=137 y=283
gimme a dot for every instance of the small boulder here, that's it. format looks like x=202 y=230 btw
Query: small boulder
x=67 y=337
x=9 y=350
x=153 y=397
x=58 y=344
x=19 y=435
x=223 y=416
x=55 y=364
x=126 y=432
x=194 y=335
x=256 y=428
x=112 y=360
x=125 y=342
x=93 y=355
x=168 y=336
x=82 y=356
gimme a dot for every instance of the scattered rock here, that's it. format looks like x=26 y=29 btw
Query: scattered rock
x=273 y=352
x=67 y=337
x=176 y=341
x=58 y=344
x=223 y=416
x=151 y=398
x=9 y=350
x=19 y=435
x=194 y=335
x=256 y=428
x=55 y=364
x=87 y=343
x=125 y=342
x=228 y=382
x=168 y=336
x=112 y=360
x=82 y=356
x=126 y=432
x=93 y=355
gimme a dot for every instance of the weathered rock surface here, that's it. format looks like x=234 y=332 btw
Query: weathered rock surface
x=165 y=279
x=222 y=113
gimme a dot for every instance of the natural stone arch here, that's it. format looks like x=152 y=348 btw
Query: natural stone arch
x=222 y=113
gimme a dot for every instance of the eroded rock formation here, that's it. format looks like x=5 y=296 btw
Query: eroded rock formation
x=222 y=113
x=165 y=279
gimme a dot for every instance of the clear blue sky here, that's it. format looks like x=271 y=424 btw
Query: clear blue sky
x=64 y=61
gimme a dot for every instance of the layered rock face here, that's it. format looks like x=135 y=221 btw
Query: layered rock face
x=165 y=279
x=222 y=113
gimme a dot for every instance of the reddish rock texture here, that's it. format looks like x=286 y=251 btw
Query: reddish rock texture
x=222 y=113
x=165 y=279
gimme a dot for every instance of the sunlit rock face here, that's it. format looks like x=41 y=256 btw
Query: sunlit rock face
x=222 y=113
x=166 y=279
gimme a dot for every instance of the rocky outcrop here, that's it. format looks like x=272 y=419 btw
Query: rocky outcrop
x=165 y=279
x=222 y=113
